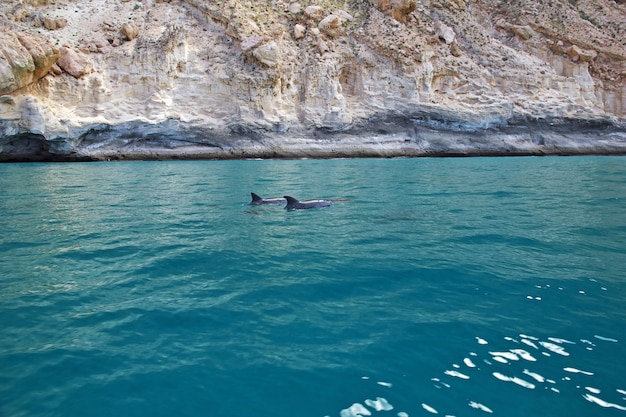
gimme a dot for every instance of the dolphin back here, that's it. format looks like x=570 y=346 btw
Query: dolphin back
x=294 y=204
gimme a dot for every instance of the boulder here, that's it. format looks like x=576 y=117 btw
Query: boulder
x=399 y=9
x=74 y=63
x=314 y=12
x=130 y=31
x=330 y=25
x=268 y=54
x=298 y=31
x=53 y=24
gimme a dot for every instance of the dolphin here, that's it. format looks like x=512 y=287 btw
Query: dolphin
x=257 y=200
x=293 y=204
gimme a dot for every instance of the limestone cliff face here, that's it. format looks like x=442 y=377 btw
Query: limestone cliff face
x=90 y=79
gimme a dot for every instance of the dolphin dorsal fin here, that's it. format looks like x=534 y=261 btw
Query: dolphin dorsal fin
x=256 y=197
x=290 y=200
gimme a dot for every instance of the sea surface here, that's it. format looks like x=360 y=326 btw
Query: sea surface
x=452 y=287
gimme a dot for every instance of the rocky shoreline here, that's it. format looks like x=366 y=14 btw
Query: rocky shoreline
x=386 y=137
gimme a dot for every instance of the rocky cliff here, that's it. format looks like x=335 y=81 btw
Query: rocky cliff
x=99 y=79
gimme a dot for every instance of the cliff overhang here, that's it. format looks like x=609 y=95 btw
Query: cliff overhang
x=385 y=136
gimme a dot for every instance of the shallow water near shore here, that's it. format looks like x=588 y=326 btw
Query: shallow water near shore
x=463 y=287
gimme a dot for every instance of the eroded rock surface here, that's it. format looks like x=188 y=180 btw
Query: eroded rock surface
x=243 y=78
x=24 y=59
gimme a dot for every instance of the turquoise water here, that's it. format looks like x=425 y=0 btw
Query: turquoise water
x=461 y=287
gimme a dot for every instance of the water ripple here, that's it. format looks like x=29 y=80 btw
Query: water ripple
x=432 y=286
